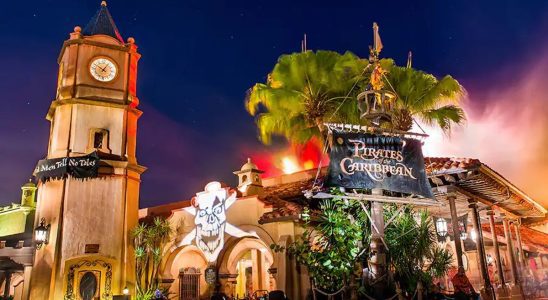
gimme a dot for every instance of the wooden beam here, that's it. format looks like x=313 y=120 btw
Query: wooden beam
x=485 y=201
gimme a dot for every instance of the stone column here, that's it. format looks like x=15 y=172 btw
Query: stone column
x=516 y=292
x=476 y=222
x=500 y=270
x=455 y=225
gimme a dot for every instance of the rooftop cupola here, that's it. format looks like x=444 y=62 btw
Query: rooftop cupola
x=249 y=179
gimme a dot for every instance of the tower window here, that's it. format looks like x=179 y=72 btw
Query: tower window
x=98 y=140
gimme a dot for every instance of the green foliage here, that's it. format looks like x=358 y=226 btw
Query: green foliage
x=304 y=90
x=423 y=96
x=149 y=241
x=332 y=243
x=414 y=254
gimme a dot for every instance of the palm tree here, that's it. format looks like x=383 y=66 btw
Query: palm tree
x=414 y=254
x=421 y=95
x=149 y=241
x=303 y=91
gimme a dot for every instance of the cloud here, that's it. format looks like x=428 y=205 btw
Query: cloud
x=507 y=127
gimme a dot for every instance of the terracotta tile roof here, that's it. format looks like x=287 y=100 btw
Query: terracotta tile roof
x=435 y=165
x=282 y=210
x=533 y=239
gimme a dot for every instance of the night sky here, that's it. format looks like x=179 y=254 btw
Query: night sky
x=200 y=57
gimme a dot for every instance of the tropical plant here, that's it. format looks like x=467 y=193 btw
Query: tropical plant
x=334 y=240
x=414 y=254
x=303 y=91
x=421 y=95
x=149 y=241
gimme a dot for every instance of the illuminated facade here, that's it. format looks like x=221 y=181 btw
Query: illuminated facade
x=89 y=253
x=223 y=235
x=16 y=246
x=246 y=264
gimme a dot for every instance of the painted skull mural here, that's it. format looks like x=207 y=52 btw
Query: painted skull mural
x=209 y=211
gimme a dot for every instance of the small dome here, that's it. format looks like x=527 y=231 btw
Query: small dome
x=249 y=166
x=29 y=184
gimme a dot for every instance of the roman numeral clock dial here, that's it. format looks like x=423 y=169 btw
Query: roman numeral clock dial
x=103 y=69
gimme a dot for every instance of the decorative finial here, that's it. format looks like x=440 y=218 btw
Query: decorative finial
x=248 y=160
x=131 y=40
x=77 y=29
x=103 y=3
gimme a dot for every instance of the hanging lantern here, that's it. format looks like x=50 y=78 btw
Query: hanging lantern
x=473 y=234
x=463 y=235
x=41 y=234
x=489 y=259
x=441 y=227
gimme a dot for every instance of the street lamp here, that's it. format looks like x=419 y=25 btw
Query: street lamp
x=41 y=233
x=441 y=227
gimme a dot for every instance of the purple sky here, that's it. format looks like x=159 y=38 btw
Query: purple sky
x=200 y=58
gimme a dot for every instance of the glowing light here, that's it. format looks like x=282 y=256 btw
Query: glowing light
x=473 y=234
x=290 y=165
x=125 y=291
x=308 y=165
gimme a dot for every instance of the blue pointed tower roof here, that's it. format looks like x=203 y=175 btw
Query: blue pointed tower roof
x=102 y=23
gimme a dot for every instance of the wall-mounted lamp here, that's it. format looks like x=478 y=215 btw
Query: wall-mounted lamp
x=463 y=235
x=125 y=291
x=41 y=233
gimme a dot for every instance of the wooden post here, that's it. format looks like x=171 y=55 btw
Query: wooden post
x=476 y=222
x=500 y=270
x=517 y=225
x=510 y=249
x=455 y=224
x=516 y=292
x=377 y=258
x=7 y=284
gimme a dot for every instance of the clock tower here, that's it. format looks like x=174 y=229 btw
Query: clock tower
x=88 y=253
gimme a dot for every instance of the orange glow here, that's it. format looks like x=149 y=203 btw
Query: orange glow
x=290 y=165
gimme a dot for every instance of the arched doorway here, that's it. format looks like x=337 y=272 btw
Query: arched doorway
x=248 y=262
x=186 y=266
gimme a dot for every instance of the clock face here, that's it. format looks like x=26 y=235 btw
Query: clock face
x=103 y=69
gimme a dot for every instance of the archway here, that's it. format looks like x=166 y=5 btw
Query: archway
x=247 y=261
x=181 y=262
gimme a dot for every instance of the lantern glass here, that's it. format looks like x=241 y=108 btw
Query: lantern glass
x=41 y=234
x=441 y=227
x=473 y=234
x=489 y=259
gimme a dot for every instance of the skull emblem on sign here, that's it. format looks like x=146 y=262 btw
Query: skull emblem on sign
x=209 y=212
